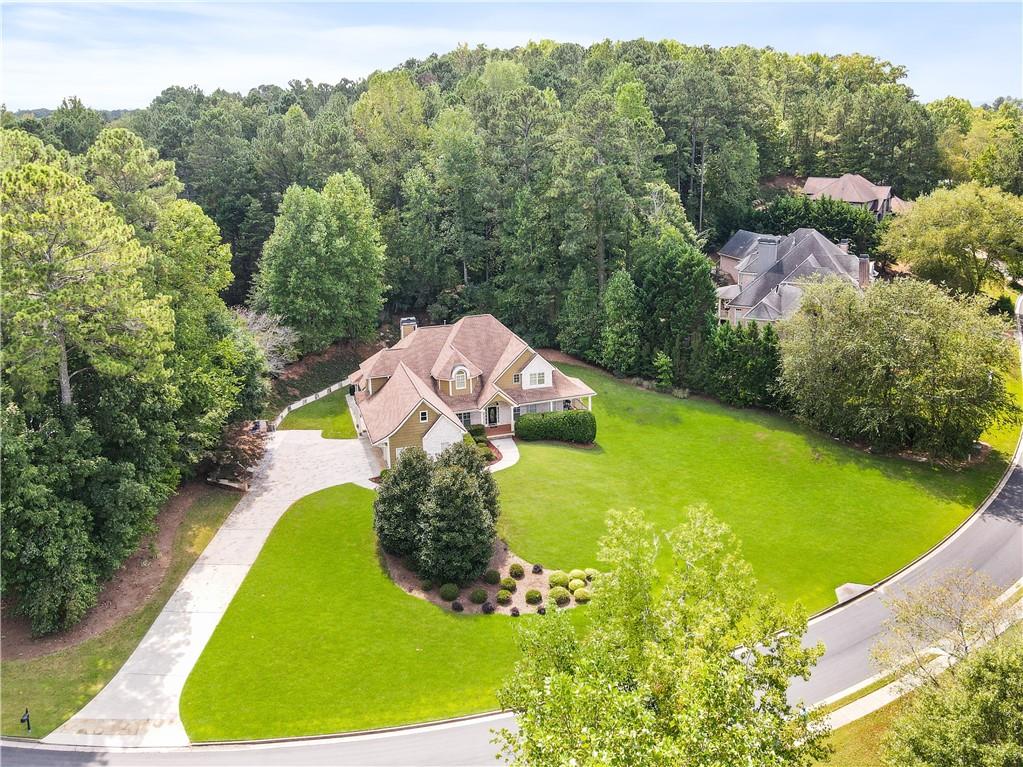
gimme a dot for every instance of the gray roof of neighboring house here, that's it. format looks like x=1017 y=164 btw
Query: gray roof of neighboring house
x=740 y=244
x=802 y=255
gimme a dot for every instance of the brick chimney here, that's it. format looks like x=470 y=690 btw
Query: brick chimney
x=767 y=253
x=408 y=325
x=864 y=272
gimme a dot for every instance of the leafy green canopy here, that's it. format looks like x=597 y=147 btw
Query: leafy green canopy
x=321 y=269
x=902 y=365
x=694 y=671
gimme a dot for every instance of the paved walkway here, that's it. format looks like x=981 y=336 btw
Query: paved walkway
x=509 y=453
x=139 y=707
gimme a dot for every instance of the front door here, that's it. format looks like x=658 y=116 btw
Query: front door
x=492 y=415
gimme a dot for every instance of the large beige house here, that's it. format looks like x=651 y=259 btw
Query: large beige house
x=436 y=381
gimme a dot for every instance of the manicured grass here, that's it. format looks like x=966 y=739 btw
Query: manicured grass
x=319 y=639
x=55 y=686
x=812 y=513
x=329 y=414
x=858 y=744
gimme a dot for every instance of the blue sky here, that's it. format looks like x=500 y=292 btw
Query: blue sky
x=123 y=54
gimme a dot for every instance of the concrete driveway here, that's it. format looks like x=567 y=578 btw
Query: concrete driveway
x=139 y=707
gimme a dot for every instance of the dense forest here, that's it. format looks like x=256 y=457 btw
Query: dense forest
x=571 y=191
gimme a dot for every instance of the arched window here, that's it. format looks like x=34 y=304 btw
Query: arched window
x=460 y=378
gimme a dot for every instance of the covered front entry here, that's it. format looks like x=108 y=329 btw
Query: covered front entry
x=493 y=414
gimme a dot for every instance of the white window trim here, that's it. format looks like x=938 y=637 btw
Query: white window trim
x=424 y=416
x=465 y=418
x=517 y=378
x=461 y=378
x=539 y=378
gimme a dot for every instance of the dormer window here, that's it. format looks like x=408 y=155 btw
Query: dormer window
x=460 y=378
x=538 y=379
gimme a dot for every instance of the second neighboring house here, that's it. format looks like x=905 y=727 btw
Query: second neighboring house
x=768 y=272
x=436 y=381
x=856 y=190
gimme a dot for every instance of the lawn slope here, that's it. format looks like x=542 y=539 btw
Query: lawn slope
x=812 y=513
x=318 y=639
x=328 y=414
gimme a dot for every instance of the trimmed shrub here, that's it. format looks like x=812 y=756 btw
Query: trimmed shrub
x=591 y=573
x=509 y=584
x=575 y=584
x=478 y=596
x=577 y=575
x=426 y=585
x=579 y=426
x=582 y=596
x=449 y=591
x=558 y=578
x=503 y=597
x=533 y=597
x=487 y=608
x=516 y=571
x=537 y=568
x=477 y=430
x=492 y=577
x=559 y=595
x=457 y=607
x=515 y=612
x=541 y=610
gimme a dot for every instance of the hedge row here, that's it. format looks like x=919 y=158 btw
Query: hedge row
x=564 y=425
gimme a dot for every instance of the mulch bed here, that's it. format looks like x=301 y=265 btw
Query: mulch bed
x=502 y=559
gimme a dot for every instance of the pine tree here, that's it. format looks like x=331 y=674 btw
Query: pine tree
x=619 y=340
x=580 y=316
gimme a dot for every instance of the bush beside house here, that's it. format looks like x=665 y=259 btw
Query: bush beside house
x=579 y=426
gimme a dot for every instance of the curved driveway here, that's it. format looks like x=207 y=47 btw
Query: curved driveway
x=990 y=542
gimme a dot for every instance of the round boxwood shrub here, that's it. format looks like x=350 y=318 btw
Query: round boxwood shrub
x=541 y=610
x=560 y=595
x=537 y=568
x=576 y=583
x=503 y=597
x=426 y=585
x=515 y=612
x=449 y=591
x=492 y=577
x=487 y=608
x=516 y=571
x=533 y=597
x=478 y=596
x=509 y=584
x=558 y=578
x=457 y=607
x=577 y=575
x=582 y=596
x=591 y=573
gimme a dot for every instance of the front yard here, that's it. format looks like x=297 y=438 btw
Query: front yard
x=812 y=513
x=318 y=639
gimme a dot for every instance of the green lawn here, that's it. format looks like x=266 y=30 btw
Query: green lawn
x=55 y=686
x=328 y=414
x=318 y=639
x=812 y=513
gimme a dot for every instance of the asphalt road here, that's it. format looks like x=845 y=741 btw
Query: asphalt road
x=991 y=542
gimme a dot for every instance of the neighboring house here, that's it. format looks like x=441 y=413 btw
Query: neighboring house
x=438 y=379
x=768 y=272
x=856 y=190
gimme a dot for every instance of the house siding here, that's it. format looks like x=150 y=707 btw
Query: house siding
x=505 y=380
x=411 y=432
